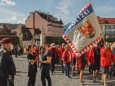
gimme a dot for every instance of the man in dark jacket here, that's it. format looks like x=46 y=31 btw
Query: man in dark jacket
x=7 y=66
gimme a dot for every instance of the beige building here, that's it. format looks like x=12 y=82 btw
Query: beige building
x=48 y=24
x=38 y=25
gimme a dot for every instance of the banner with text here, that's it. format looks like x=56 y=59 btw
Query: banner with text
x=84 y=32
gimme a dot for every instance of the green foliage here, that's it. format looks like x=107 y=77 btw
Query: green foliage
x=56 y=40
x=110 y=39
x=15 y=39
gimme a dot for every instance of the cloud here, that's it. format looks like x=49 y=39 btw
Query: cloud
x=7 y=2
x=7 y=20
x=14 y=18
x=9 y=16
x=10 y=12
x=106 y=10
x=22 y=21
x=63 y=10
x=49 y=4
x=63 y=7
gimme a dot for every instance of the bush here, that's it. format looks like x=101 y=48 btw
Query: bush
x=15 y=39
x=110 y=39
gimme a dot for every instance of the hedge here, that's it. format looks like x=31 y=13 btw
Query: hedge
x=15 y=39
x=56 y=40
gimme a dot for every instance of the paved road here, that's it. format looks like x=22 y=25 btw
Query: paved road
x=58 y=79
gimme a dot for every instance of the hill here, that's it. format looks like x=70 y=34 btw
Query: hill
x=12 y=25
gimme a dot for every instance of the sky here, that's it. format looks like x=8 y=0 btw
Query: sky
x=17 y=11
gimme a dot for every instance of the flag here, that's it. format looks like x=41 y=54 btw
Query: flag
x=84 y=32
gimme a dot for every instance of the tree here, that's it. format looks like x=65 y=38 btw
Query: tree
x=6 y=30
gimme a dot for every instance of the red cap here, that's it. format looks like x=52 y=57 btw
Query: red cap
x=6 y=41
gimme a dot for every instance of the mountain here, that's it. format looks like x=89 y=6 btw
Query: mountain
x=14 y=26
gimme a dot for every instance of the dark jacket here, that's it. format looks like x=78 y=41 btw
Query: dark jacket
x=32 y=69
x=7 y=64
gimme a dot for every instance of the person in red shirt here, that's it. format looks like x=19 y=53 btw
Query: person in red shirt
x=94 y=59
x=112 y=66
x=73 y=62
x=105 y=62
x=54 y=52
x=61 y=50
x=67 y=56
x=81 y=63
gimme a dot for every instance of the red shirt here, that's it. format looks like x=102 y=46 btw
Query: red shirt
x=35 y=52
x=79 y=61
x=56 y=51
x=61 y=50
x=112 y=55
x=73 y=54
x=67 y=56
x=105 y=57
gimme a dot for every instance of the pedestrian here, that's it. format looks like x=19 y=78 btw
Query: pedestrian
x=7 y=66
x=112 y=66
x=45 y=69
x=32 y=69
x=57 y=54
x=61 y=50
x=19 y=50
x=25 y=50
x=67 y=58
x=41 y=53
x=94 y=55
x=81 y=63
x=73 y=63
x=54 y=52
x=105 y=62
x=16 y=51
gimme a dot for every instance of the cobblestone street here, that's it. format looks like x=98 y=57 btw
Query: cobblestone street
x=58 y=79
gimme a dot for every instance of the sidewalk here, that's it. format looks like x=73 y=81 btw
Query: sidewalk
x=58 y=79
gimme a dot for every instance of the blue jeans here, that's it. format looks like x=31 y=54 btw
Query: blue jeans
x=67 y=68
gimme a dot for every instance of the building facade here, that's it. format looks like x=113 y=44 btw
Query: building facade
x=107 y=25
x=38 y=25
x=48 y=24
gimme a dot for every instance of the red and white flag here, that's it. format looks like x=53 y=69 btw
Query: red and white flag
x=84 y=32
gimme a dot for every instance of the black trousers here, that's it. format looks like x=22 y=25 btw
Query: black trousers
x=11 y=82
x=5 y=82
x=32 y=80
x=62 y=66
x=52 y=65
x=45 y=74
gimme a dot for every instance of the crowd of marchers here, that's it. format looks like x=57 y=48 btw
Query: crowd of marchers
x=101 y=56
